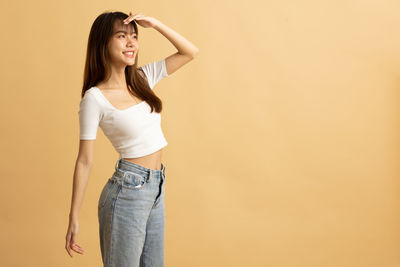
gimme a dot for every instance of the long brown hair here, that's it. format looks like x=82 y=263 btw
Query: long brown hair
x=97 y=67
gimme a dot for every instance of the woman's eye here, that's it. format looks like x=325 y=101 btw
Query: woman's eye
x=134 y=36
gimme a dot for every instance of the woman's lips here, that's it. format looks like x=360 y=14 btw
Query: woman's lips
x=129 y=54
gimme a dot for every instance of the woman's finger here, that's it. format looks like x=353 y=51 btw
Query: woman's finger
x=76 y=246
x=67 y=245
x=68 y=248
x=130 y=16
x=139 y=17
x=77 y=249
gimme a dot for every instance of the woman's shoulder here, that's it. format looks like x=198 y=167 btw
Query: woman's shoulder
x=91 y=91
x=91 y=96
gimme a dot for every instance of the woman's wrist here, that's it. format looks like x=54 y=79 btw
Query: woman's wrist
x=157 y=24
x=73 y=216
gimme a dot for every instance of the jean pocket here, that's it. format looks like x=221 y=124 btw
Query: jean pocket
x=134 y=181
x=106 y=192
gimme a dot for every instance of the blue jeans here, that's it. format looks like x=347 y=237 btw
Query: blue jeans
x=131 y=216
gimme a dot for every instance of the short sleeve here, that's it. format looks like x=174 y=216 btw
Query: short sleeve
x=155 y=72
x=89 y=117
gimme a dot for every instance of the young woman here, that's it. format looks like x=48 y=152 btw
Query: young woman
x=118 y=96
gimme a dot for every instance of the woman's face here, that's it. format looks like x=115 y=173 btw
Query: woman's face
x=122 y=41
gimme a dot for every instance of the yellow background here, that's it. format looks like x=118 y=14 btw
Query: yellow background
x=283 y=132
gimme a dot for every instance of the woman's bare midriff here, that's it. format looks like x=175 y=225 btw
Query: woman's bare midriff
x=151 y=161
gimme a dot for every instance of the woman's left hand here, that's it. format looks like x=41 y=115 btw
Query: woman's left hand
x=141 y=19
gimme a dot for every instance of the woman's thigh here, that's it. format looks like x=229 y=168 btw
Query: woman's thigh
x=131 y=220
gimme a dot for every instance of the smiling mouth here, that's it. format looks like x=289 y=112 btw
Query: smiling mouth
x=129 y=54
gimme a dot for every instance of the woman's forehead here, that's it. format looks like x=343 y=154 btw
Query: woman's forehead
x=120 y=26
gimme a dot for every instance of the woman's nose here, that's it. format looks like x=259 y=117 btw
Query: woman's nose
x=132 y=39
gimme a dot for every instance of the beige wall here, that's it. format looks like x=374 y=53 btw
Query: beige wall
x=283 y=133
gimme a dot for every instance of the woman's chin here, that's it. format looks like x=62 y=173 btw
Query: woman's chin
x=130 y=63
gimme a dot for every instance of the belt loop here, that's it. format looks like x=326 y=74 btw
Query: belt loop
x=118 y=170
x=117 y=163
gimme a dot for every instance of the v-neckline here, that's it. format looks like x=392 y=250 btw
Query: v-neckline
x=111 y=105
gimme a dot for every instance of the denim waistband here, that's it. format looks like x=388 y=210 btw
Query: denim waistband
x=125 y=166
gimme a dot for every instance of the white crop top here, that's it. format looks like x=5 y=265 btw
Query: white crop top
x=134 y=131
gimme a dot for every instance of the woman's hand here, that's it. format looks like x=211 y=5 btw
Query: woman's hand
x=72 y=232
x=142 y=20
